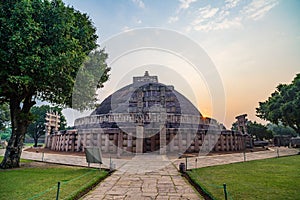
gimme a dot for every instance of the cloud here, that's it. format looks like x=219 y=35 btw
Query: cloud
x=185 y=4
x=139 y=3
x=258 y=8
x=207 y=12
x=218 y=25
x=173 y=19
x=231 y=3
x=231 y=14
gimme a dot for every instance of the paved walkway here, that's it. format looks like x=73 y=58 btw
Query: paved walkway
x=152 y=176
x=145 y=177
x=205 y=161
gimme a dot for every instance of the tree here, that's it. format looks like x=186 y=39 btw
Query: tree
x=5 y=134
x=43 y=45
x=88 y=77
x=4 y=116
x=37 y=128
x=258 y=130
x=281 y=130
x=283 y=105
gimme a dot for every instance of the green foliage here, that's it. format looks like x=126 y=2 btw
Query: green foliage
x=234 y=126
x=5 y=134
x=258 y=130
x=37 y=128
x=70 y=127
x=91 y=76
x=43 y=45
x=4 y=116
x=275 y=178
x=283 y=105
x=281 y=130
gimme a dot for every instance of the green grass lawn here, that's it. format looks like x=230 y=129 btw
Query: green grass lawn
x=39 y=181
x=275 y=178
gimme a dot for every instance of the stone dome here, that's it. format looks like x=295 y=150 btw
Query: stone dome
x=146 y=95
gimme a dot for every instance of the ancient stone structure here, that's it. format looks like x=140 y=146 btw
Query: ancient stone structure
x=52 y=123
x=241 y=123
x=242 y=127
x=147 y=116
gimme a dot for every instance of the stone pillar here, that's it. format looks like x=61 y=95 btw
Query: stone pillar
x=73 y=139
x=162 y=139
x=139 y=139
x=234 y=142
x=115 y=143
x=67 y=141
x=78 y=142
x=241 y=142
x=196 y=143
x=99 y=139
x=129 y=142
x=106 y=147
x=120 y=144
x=202 y=139
x=209 y=135
x=180 y=141
x=226 y=142
x=171 y=142
x=62 y=141
x=217 y=142
x=222 y=141
x=84 y=141
x=53 y=142
x=231 y=142
x=188 y=141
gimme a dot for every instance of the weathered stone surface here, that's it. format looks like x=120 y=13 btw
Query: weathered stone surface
x=156 y=184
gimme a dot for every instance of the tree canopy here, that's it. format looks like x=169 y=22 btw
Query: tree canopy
x=281 y=130
x=43 y=45
x=91 y=76
x=258 y=130
x=37 y=128
x=283 y=105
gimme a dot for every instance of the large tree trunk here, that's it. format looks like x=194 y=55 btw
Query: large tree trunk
x=36 y=139
x=19 y=122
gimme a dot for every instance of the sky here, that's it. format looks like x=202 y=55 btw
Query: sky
x=254 y=45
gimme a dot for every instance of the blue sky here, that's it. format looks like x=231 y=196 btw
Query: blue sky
x=254 y=44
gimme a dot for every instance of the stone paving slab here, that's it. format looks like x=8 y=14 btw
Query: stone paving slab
x=145 y=177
